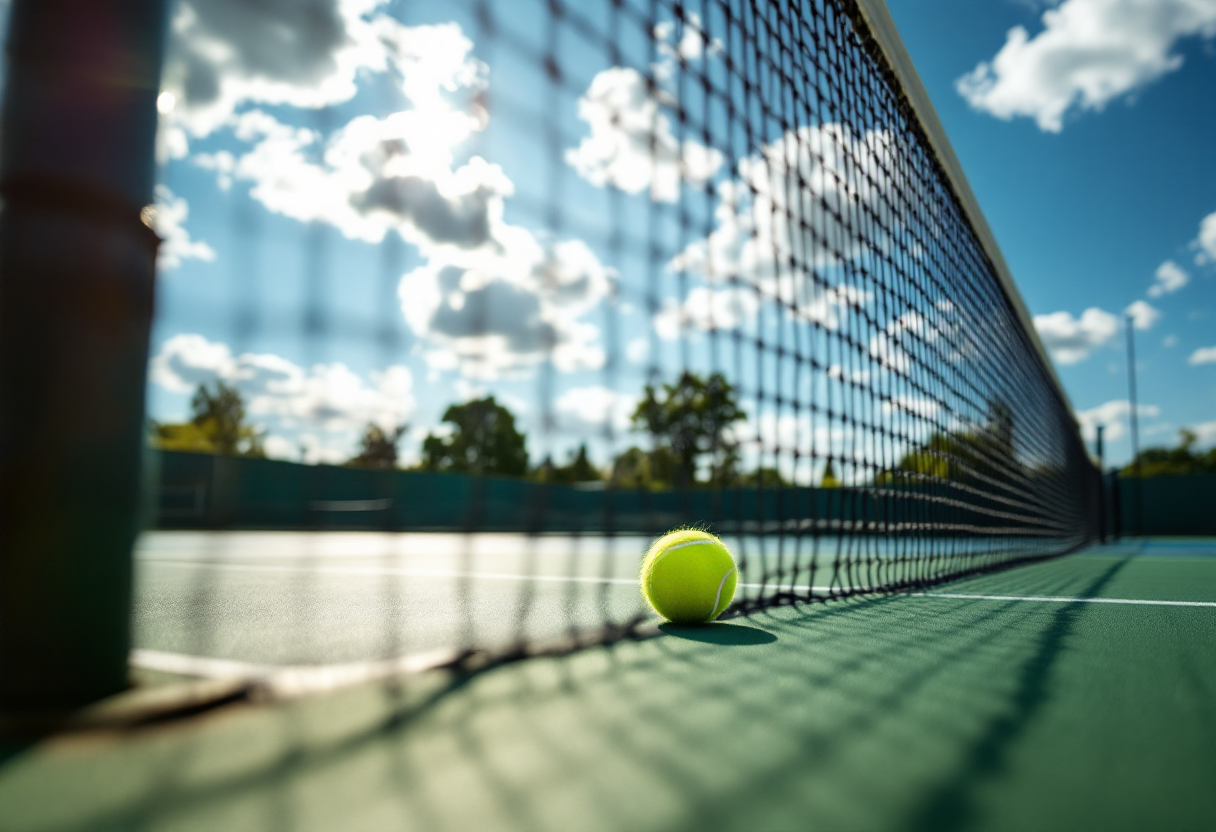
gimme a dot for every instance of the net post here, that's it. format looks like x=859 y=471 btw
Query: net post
x=77 y=269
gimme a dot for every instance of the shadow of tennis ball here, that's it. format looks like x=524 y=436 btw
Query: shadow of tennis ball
x=719 y=632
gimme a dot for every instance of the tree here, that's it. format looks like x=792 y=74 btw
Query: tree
x=931 y=460
x=689 y=420
x=1182 y=459
x=220 y=413
x=217 y=425
x=483 y=440
x=183 y=436
x=829 y=479
x=377 y=448
x=631 y=469
x=578 y=469
x=636 y=468
x=762 y=476
x=961 y=455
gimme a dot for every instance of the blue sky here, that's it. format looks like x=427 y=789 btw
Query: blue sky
x=259 y=169
x=1088 y=210
x=357 y=206
x=1080 y=130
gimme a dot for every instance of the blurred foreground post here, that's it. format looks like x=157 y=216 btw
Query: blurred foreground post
x=77 y=267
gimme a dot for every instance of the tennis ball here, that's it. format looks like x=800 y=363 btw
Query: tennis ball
x=689 y=577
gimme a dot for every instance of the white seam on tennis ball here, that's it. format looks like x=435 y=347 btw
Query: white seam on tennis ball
x=718 y=595
x=655 y=564
x=689 y=543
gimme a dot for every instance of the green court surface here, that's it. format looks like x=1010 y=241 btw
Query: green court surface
x=1010 y=701
x=267 y=599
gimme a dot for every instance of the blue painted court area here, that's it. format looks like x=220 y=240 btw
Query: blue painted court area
x=1071 y=694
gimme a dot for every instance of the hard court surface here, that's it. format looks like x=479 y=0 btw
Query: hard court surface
x=1078 y=693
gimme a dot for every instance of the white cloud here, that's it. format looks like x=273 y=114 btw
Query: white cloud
x=171 y=140
x=336 y=398
x=912 y=333
x=637 y=350
x=374 y=175
x=729 y=309
x=889 y=347
x=770 y=438
x=466 y=390
x=916 y=405
x=707 y=310
x=761 y=226
x=1206 y=241
x=1073 y=339
x=227 y=53
x=1088 y=53
x=176 y=243
x=588 y=410
x=329 y=399
x=186 y=361
x=279 y=447
x=494 y=311
x=632 y=145
x=490 y=298
x=1205 y=431
x=691 y=44
x=1113 y=416
x=1168 y=278
x=1203 y=355
x=1170 y=341
x=839 y=373
x=1143 y=314
x=1157 y=429
x=222 y=163
x=768 y=238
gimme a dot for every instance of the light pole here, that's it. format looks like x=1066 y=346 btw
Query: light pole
x=1134 y=420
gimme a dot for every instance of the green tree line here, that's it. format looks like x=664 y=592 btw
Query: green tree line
x=218 y=424
x=688 y=423
x=690 y=427
x=986 y=453
x=1183 y=458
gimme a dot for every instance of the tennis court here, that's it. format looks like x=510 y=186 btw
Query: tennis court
x=354 y=352
x=270 y=599
x=1071 y=694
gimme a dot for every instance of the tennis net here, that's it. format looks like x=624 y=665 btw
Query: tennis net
x=461 y=303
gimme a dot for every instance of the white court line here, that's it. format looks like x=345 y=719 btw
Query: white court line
x=365 y=571
x=1051 y=599
x=290 y=680
x=391 y=570
x=296 y=680
x=592 y=579
x=204 y=666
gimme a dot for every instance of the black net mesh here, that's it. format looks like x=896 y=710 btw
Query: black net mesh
x=463 y=303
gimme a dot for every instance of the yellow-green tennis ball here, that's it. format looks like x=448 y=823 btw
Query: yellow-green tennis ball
x=689 y=577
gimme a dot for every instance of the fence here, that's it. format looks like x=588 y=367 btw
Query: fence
x=1167 y=505
x=205 y=491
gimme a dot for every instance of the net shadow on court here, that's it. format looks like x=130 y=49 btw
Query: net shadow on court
x=889 y=711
